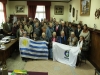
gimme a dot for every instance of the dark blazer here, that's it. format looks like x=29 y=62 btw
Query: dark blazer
x=37 y=31
x=66 y=31
x=57 y=31
x=7 y=28
x=77 y=33
x=62 y=40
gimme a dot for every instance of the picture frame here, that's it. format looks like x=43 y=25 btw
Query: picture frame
x=70 y=8
x=85 y=6
x=58 y=10
x=76 y=15
x=73 y=13
x=20 y=8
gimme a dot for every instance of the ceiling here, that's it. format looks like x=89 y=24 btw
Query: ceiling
x=45 y=0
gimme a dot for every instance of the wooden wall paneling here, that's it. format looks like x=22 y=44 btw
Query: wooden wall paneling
x=94 y=51
x=94 y=56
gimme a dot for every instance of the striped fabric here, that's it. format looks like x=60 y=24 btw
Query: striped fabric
x=33 y=49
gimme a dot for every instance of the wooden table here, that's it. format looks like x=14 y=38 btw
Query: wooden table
x=10 y=47
x=36 y=73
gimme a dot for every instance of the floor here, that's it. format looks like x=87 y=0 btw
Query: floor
x=53 y=68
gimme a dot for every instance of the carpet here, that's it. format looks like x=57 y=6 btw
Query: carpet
x=56 y=68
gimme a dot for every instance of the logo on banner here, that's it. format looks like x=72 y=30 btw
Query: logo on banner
x=66 y=53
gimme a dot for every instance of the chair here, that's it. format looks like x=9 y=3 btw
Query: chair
x=81 y=58
x=97 y=72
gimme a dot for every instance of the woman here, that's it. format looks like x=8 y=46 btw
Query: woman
x=85 y=33
x=84 y=46
x=20 y=31
x=70 y=28
x=25 y=34
x=53 y=39
x=35 y=37
x=46 y=30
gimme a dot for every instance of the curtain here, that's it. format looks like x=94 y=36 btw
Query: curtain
x=31 y=11
x=32 y=8
x=4 y=9
x=4 y=2
x=47 y=11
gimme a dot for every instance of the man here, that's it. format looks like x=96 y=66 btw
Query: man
x=29 y=29
x=43 y=37
x=37 y=29
x=62 y=39
x=51 y=28
x=78 y=31
x=64 y=28
x=72 y=40
x=7 y=28
x=70 y=28
x=14 y=18
x=57 y=28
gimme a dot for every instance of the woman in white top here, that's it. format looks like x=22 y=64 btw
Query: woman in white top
x=80 y=42
x=85 y=33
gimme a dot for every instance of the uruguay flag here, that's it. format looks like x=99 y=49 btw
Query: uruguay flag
x=33 y=49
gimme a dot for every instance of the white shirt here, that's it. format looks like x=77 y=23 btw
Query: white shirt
x=80 y=44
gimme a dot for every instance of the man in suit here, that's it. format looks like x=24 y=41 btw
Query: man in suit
x=7 y=28
x=64 y=28
x=78 y=31
x=62 y=38
x=57 y=28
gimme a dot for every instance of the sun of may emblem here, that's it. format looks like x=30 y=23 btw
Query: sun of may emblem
x=25 y=42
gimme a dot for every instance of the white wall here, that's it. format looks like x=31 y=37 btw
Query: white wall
x=64 y=16
x=12 y=5
x=7 y=9
x=90 y=20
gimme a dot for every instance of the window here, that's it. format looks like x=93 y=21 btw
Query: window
x=1 y=14
x=40 y=12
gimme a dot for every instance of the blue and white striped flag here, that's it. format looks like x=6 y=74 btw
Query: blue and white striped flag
x=33 y=49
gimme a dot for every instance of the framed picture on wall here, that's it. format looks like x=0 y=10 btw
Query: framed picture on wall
x=85 y=7
x=58 y=10
x=20 y=8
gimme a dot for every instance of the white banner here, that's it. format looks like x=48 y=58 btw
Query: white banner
x=65 y=54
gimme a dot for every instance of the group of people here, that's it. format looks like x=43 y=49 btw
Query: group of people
x=53 y=30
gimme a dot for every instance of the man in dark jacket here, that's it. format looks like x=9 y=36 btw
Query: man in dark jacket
x=65 y=29
x=57 y=28
x=62 y=39
x=7 y=28
x=78 y=31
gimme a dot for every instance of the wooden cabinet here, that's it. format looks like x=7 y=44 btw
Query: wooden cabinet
x=18 y=17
